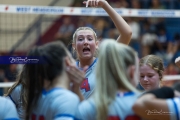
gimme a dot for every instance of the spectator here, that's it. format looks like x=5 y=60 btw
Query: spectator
x=170 y=70
x=135 y=35
x=65 y=32
x=10 y=73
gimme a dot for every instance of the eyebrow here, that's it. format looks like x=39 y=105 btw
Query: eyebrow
x=85 y=35
x=147 y=74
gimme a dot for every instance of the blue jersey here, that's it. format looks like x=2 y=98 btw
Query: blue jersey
x=88 y=85
x=15 y=97
x=174 y=108
x=56 y=104
x=7 y=110
x=119 y=109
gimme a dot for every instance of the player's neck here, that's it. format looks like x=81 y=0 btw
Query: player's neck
x=85 y=62
x=61 y=81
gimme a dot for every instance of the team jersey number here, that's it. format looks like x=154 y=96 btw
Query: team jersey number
x=134 y=117
x=33 y=117
x=85 y=85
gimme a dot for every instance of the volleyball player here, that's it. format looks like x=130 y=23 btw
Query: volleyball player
x=85 y=44
x=116 y=80
x=151 y=72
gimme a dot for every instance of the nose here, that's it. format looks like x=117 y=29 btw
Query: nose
x=145 y=78
x=85 y=41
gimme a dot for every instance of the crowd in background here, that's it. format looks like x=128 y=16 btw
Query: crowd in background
x=150 y=35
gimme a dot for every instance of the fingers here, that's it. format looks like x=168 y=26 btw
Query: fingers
x=93 y=3
x=96 y=3
x=87 y=3
x=75 y=75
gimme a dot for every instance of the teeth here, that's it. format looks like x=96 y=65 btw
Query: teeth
x=86 y=49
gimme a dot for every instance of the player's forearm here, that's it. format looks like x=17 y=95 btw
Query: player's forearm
x=147 y=104
x=123 y=28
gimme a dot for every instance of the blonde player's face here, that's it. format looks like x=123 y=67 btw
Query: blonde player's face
x=149 y=78
x=85 y=44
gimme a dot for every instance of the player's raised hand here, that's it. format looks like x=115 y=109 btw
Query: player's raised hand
x=76 y=76
x=95 y=3
x=177 y=61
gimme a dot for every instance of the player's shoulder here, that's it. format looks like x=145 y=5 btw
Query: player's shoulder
x=87 y=103
x=173 y=106
x=128 y=98
x=2 y=99
x=175 y=100
x=70 y=95
x=86 y=110
x=17 y=89
x=7 y=109
x=66 y=95
x=5 y=102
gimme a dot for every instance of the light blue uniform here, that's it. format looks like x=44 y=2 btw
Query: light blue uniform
x=174 y=108
x=15 y=97
x=88 y=85
x=119 y=109
x=7 y=110
x=56 y=104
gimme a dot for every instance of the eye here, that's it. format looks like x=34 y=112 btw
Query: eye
x=90 y=39
x=142 y=76
x=150 y=76
x=80 y=39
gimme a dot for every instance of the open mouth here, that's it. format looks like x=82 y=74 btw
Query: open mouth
x=86 y=50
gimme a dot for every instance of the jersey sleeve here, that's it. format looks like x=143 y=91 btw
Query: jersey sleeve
x=174 y=109
x=86 y=110
x=9 y=110
x=65 y=109
x=15 y=95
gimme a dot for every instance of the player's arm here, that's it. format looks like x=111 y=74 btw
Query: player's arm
x=123 y=28
x=76 y=76
x=152 y=106
x=149 y=107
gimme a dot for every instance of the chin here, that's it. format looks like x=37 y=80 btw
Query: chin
x=87 y=56
x=148 y=88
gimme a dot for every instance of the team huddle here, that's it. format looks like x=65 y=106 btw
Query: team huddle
x=91 y=88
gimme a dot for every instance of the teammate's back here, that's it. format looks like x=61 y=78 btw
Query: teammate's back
x=55 y=104
x=48 y=83
x=7 y=110
x=119 y=109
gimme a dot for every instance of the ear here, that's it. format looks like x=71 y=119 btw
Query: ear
x=97 y=44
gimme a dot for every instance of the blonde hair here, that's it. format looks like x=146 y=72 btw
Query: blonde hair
x=114 y=60
x=75 y=36
x=83 y=28
x=155 y=62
